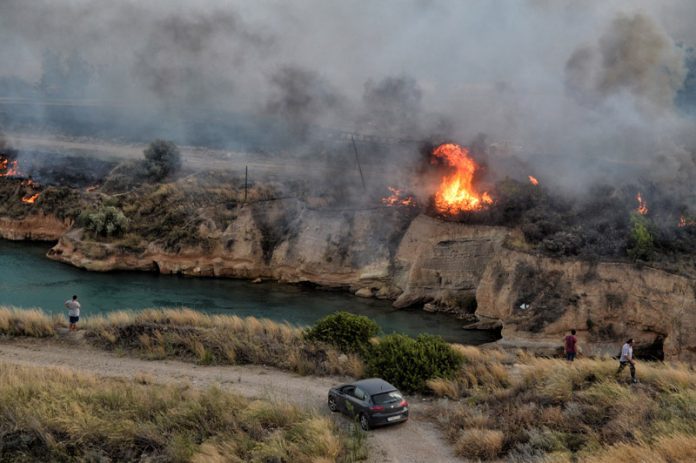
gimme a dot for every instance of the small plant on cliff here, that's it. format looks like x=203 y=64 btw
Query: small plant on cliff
x=640 y=241
x=348 y=332
x=408 y=363
x=106 y=221
x=162 y=158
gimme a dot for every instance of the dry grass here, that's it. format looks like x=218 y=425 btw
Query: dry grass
x=485 y=444
x=57 y=415
x=28 y=322
x=551 y=410
x=190 y=335
x=482 y=368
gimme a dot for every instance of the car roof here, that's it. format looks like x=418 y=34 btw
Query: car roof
x=374 y=385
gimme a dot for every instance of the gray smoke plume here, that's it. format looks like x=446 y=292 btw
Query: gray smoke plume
x=633 y=56
x=576 y=91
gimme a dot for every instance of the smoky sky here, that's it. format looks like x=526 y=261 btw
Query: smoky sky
x=581 y=82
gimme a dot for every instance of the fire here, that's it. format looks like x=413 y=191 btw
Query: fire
x=398 y=199
x=30 y=199
x=642 y=208
x=8 y=168
x=456 y=192
x=533 y=180
x=684 y=222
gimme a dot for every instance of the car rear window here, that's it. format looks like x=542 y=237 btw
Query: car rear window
x=387 y=398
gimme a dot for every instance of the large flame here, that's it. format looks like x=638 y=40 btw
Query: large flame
x=456 y=192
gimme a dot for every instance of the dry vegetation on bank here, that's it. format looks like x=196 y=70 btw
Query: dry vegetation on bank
x=524 y=409
x=503 y=405
x=194 y=336
x=56 y=415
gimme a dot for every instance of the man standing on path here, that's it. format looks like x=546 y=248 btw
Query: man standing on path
x=73 y=312
x=627 y=359
x=571 y=343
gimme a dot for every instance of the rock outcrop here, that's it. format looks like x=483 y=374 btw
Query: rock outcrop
x=541 y=298
x=36 y=227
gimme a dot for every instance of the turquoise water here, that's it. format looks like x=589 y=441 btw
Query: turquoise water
x=29 y=279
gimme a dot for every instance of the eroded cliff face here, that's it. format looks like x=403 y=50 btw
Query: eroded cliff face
x=386 y=253
x=541 y=298
x=36 y=227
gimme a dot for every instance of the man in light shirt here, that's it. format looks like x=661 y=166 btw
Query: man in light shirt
x=627 y=359
x=73 y=312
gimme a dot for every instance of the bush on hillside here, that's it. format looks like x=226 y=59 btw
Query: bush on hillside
x=108 y=221
x=162 y=158
x=408 y=363
x=346 y=331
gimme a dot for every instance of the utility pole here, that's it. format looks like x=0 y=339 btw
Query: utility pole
x=357 y=160
x=246 y=181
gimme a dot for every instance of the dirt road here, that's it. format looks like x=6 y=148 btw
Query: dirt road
x=416 y=441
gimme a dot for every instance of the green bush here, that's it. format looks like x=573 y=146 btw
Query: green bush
x=408 y=363
x=346 y=331
x=106 y=221
x=162 y=158
x=640 y=241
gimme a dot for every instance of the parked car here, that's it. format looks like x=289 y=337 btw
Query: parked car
x=373 y=401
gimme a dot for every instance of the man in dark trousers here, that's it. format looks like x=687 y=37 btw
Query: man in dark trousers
x=571 y=343
x=627 y=359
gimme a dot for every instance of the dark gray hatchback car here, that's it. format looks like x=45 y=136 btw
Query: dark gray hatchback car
x=373 y=401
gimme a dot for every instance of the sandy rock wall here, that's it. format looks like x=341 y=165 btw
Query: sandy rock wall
x=542 y=298
x=37 y=227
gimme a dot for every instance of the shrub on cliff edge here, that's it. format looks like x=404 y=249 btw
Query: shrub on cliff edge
x=348 y=332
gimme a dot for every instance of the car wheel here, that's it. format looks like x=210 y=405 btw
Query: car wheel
x=332 y=404
x=364 y=424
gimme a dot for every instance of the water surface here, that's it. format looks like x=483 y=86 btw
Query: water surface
x=29 y=279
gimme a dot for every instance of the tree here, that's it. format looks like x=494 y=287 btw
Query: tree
x=640 y=241
x=162 y=158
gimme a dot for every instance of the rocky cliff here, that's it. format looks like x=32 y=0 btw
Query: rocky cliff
x=36 y=227
x=387 y=253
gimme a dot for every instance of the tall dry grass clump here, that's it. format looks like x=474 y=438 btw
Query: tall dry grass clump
x=27 y=322
x=484 y=444
x=218 y=339
x=56 y=415
x=481 y=368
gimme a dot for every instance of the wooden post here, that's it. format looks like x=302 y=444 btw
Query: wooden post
x=357 y=160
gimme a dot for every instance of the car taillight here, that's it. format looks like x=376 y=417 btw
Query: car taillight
x=376 y=408
x=403 y=404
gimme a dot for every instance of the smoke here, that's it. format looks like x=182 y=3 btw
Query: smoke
x=632 y=56
x=576 y=92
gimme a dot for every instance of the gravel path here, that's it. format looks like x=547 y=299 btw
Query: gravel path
x=416 y=441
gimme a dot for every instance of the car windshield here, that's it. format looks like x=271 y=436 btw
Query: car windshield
x=387 y=398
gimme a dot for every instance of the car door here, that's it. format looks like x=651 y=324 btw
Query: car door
x=356 y=401
x=342 y=399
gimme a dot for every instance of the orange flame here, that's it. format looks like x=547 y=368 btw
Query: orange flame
x=642 y=208
x=684 y=222
x=30 y=199
x=397 y=199
x=456 y=192
x=9 y=167
x=533 y=180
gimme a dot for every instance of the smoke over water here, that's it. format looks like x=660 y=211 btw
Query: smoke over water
x=576 y=92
